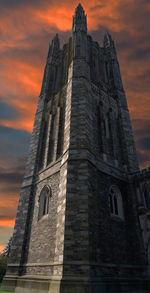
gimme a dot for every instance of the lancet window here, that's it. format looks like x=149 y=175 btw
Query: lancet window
x=60 y=141
x=115 y=202
x=52 y=138
x=44 y=201
x=43 y=143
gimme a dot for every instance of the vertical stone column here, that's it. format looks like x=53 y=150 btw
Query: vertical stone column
x=60 y=142
x=56 y=134
x=61 y=207
x=113 y=131
x=128 y=144
x=47 y=140
x=76 y=238
x=101 y=129
x=61 y=210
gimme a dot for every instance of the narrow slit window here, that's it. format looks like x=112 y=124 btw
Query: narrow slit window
x=43 y=144
x=52 y=139
x=60 y=133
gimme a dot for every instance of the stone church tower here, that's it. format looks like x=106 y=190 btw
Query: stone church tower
x=79 y=221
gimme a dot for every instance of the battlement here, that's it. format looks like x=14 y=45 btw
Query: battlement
x=143 y=174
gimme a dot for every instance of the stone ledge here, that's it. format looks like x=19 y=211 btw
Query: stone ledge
x=30 y=284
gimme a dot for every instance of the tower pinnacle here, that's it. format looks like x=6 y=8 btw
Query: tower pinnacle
x=79 y=19
x=108 y=41
x=55 y=41
x=79 y=8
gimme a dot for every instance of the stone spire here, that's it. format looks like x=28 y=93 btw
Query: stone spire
x=79 y=8
x=53 y=51
x=55 y=42
x=79 y=20
x=54 y=46
x=108 y=41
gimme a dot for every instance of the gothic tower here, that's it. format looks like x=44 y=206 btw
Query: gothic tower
x=77 y=227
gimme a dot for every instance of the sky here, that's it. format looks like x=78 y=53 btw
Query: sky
x=26 y=30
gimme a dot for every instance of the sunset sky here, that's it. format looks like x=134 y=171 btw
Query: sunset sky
x=26 y=29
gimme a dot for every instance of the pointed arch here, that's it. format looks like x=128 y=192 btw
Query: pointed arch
x=44 y=200
x=115 y=202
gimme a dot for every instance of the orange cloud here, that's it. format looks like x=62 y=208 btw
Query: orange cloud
x=60 y=16
x=1 y=248
x=20 y=76
x=7 y=222
x=21 y=87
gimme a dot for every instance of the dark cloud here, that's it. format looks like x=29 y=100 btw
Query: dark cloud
x=142 y=137
x=144 y=157
x=9 y=187
x=10 y=183
x=17 y=3
x=13 y=142
x=12 y=177
x=145 y=143
x=7 y=111
x=141 y=53
x=4 y=216
x=141 y=127
x=141 y=82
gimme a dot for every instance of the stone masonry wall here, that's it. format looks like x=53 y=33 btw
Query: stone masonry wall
x=141 y=183
x=112 y=240
x=42 y=237
x=26 y=201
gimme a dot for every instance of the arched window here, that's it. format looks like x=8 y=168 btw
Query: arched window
x=115 y=202
x=44 y=200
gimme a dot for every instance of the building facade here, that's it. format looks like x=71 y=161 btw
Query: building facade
x=83 y=219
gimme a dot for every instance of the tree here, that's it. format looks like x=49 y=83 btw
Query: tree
x=6 y=250
x=4 y=259
x=3 y=265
